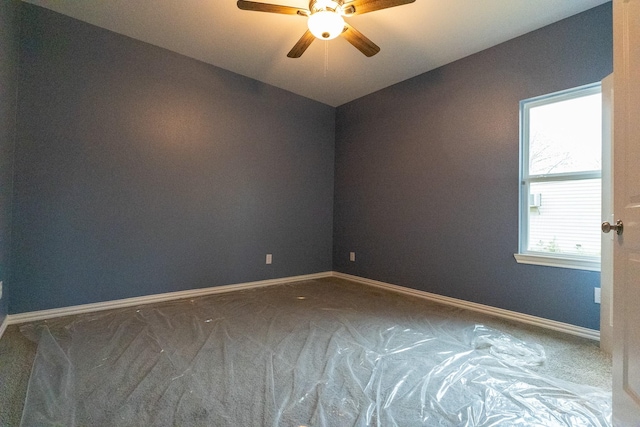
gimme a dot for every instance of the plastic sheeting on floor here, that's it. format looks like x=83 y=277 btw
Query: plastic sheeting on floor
x=311 y=354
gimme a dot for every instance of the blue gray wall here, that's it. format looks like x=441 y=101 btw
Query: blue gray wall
x=426 y=178
x=140 y=171
x=9 y=54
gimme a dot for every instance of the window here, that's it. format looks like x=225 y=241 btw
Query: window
x=560 y=174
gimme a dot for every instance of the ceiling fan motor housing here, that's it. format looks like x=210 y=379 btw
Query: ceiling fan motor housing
x=325 y=5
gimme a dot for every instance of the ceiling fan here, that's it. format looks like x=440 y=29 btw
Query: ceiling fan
x=326 y=22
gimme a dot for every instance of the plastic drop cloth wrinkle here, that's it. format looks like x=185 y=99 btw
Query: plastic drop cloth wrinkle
x=307 y=354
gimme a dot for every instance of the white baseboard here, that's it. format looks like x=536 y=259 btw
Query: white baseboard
x=33 y=316
x=481 y=308
x=13 y=319
x=3 y=326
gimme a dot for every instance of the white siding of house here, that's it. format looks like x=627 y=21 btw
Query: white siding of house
x=568 y=215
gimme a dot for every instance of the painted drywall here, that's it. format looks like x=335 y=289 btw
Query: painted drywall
x=140 y=171
x=426 y=180
x=9 y=54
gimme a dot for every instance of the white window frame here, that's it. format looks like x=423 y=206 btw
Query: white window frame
x=525 y=256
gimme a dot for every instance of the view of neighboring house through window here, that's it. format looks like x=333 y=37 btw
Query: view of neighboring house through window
x=561 y=151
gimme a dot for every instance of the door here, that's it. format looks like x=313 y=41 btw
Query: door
x=626 y=276
x=608 y=240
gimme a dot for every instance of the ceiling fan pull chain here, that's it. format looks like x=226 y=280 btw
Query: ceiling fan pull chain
x=326 y=58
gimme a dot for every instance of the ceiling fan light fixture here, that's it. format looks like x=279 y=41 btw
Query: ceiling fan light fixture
x=326 y=25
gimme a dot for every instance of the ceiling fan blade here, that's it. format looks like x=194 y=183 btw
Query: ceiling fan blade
x=358 y=7
x=272 y=8
x=357 y=39
x=301 y=45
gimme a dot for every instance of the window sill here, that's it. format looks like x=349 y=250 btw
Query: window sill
x=552 y=261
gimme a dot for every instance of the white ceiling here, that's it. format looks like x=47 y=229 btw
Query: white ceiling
x=413 y=38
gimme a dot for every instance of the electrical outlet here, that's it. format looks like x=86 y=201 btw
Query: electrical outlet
x=596 y=295
x=269 y=258
x=352 y=256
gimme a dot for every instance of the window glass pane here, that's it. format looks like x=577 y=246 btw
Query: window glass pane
x=564 y=217
x=565 y=136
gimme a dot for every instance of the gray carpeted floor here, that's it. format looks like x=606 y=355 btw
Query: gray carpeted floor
x=306 y=334
x=16 y=358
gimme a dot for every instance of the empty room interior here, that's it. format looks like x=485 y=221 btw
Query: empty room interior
x=198 y=240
